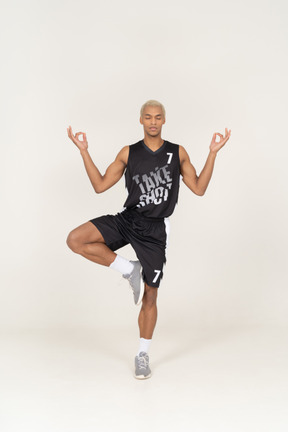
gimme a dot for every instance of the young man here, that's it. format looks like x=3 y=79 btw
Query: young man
x=152 y=168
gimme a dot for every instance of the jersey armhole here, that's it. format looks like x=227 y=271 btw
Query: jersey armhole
x=178 y=154
x=129 y=151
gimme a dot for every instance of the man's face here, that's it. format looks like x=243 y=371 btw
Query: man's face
x=152 y=120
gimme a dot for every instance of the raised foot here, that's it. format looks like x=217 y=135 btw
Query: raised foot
x=136 y=282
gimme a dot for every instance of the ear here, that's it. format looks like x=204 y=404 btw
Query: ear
x=141 y=120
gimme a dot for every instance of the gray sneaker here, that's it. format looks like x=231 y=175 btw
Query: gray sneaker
x=136 y=282
x=142 y=369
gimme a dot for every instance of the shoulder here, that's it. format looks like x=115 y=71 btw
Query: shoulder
x=183 y=155
x=123 y=155
x=172 y=146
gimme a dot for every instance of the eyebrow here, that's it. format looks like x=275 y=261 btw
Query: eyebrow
x=157 y=115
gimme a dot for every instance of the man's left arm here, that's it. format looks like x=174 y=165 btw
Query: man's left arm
x=199 y=184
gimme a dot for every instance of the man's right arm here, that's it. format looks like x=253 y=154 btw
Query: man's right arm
x=113 y=173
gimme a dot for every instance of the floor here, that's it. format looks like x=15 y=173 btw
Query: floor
x=203 y=380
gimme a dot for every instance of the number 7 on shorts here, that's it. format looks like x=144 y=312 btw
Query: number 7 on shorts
x=157 y=275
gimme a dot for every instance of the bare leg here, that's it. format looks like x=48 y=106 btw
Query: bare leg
x=87 y=241
x=148 y=313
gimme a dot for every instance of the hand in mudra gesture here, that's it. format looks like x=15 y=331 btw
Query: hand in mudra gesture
x=82 y=145
x=215 y=146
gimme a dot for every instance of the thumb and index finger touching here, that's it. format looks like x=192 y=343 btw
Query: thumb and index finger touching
x=227 y=135
x=70 y=133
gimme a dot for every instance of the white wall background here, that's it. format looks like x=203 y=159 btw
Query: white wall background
x=93 y=64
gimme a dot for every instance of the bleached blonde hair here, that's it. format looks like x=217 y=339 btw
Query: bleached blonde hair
x=152 y=102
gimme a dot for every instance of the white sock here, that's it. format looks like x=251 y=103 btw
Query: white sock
x=144 y=345
x=122 y=265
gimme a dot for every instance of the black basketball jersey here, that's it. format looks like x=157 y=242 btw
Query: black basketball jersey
x=152 y=179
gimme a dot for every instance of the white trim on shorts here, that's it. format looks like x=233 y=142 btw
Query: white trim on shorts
x=167 y=229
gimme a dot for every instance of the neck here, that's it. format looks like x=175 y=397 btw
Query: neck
x=153 y=142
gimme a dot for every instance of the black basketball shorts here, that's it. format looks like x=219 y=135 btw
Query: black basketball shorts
x=147 y=236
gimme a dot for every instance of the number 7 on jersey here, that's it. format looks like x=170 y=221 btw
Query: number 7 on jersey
x=170 y=157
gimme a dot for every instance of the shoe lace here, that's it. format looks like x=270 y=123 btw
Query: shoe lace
x=129 y=278
x=142 y=362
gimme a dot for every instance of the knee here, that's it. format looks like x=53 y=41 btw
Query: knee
x=73 y=242
x=150 y=296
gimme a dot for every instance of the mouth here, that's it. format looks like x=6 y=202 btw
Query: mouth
x=153 y=128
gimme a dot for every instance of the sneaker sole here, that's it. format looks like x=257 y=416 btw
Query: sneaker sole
x=141 y=292
x=141 y=377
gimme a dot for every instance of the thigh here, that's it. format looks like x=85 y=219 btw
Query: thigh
x=152 y=259
x=112 y=234
x=86 y=233
x=151 y=252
